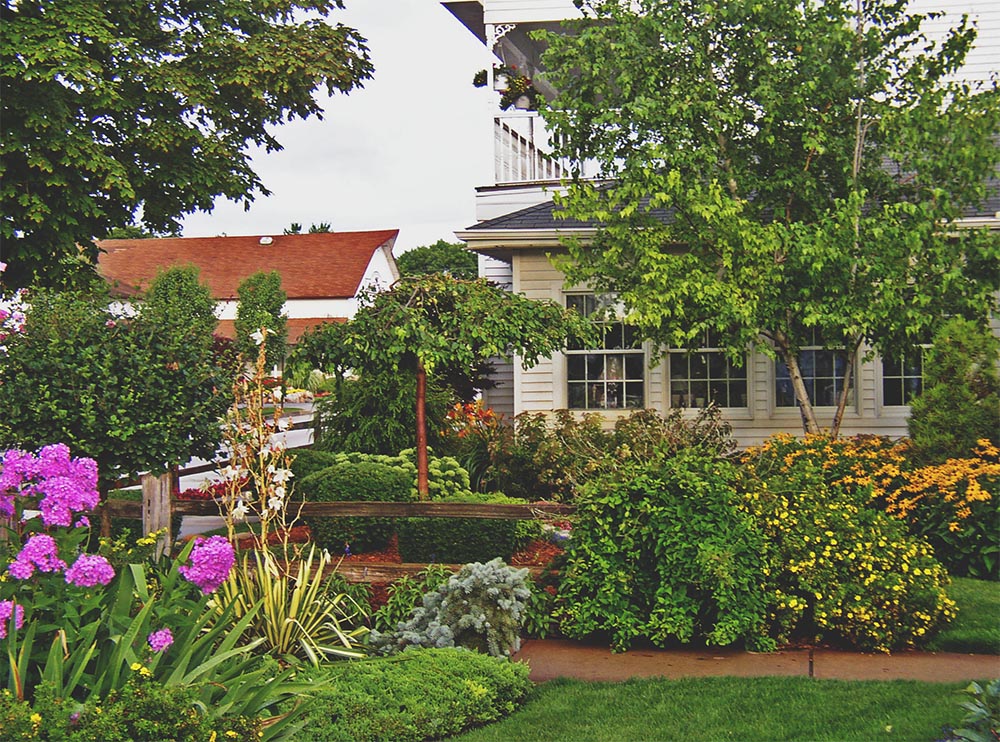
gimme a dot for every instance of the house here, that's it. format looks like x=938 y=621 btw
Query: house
x=321 y=273
x=517 y=231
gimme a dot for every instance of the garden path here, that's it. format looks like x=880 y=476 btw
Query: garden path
x=550 y=658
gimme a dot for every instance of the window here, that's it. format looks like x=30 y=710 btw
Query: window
x=902 y=377
x=610 y=376
x=822 y=373
x=705 y=376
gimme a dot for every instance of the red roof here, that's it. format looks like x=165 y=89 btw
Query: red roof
x=324 y=265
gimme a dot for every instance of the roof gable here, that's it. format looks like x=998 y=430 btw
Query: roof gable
x=323 y=265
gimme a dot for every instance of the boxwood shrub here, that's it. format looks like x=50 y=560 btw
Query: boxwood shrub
x=365 y=481
x=420 y=694
x=462 y=540
x=309 y=461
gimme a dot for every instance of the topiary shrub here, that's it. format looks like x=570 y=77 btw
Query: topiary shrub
x=661 y=552
x=461 y=540
x=421 y=694
x=365 y=481
x=481 y=608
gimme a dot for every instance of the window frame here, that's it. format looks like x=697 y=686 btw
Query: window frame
x=902 y=377
x=633 y=371
x=707 y=349
x=815 y=346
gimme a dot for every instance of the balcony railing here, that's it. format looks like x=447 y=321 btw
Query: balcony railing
x=522 y=148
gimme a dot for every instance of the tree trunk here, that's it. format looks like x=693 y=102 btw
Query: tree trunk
x=809 y=424
x=838 y=417
x=422 y=489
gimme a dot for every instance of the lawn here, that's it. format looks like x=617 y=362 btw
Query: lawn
x=977 y=627
x=746 y=709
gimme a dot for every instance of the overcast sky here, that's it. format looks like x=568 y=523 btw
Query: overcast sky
x=405 y=152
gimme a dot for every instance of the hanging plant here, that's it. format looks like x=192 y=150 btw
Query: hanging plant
x=515 y=89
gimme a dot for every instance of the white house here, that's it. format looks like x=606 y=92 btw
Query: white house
x=516 y=232
x=321 y=273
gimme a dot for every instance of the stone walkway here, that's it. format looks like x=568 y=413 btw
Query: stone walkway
x=550 y=659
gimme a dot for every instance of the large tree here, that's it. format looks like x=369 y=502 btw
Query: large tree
x=117 y=113
x=778 y=173
x=441 y=257
x=426 y=323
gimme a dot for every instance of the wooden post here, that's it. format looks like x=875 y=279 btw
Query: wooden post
x=156 y=508
x=422 y=486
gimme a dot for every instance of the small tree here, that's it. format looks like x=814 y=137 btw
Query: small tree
x=134 y=391
x=441 y=257
x=425 y=323
x=261 y=305
x=960 y=401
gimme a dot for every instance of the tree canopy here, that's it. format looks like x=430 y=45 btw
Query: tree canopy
x=433 y=322
x=441 y=257
x=120 y=113
x=778 y=173
x=261 y=307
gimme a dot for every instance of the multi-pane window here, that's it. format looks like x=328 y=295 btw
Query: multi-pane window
x=822 y=373
x=706 y=376
x=902 y=377
x=611 y=375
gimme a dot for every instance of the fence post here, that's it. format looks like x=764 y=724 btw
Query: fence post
x=156 y=508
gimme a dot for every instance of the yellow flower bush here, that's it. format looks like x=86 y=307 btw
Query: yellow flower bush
x=836 y=567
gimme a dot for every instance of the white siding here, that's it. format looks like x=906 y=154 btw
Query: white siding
x=501 y=397
x=528 y=11
x=984 y=59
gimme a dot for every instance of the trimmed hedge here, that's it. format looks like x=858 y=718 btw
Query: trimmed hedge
x=420 y=694
x=365 y=481
x=462 y=540
x=308 y=461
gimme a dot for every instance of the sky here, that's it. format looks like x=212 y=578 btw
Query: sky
x=405 y=152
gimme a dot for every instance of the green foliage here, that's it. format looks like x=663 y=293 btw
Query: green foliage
x=405 y=594
x=141 y=711
x=364 y=481
x=309 y=461
x=114 y=110
x=442 y=257
x=261 y=302
x=134 y=394
x=421 y=694
x=836 y=568
x=550 y=457
x=774 y=156
x=960 y=402
x=481 y=608
x=975 y=630
x=376 y=413
x=661 y=552
x=460 y=540
x=981 y=722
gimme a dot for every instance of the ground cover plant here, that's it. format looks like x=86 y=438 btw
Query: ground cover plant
x=749 y=709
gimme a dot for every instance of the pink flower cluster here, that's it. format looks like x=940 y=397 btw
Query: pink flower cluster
x=209 y=563
x=160 y=640
x=9 y=608
x=39 y=552
x=62 y=485
x=90 y=570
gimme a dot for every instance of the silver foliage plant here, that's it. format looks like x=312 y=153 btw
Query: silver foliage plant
x=482 y=607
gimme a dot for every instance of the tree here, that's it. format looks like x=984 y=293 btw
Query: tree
x=296 y=228
x=441 y=257
x=778 y=173
x=960 y=401
x=135 y=392
x=425 y=323
x=117 y=113
x=261 y=305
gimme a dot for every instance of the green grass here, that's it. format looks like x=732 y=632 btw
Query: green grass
x=746 y=709
x=977 y=627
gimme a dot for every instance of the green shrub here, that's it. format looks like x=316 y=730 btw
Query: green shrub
x=363 y=481
x=836 y=568
x=480 y=608
x=663 y=553
x=960 y=401
x=405 y=594
x=981 y=722
x=421 y=694
x=308 y=461
x=461 y=540
x=550 y=457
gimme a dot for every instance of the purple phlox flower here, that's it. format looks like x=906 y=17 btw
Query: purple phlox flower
x=17 y=466
x=82 y=522
x=160 y=640
x=63 y=485
x=39 y=552
x=9 y=608
x=209 y=563
x=62 y=496
x=90 y=570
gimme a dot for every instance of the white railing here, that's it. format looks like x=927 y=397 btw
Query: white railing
x=522 y=150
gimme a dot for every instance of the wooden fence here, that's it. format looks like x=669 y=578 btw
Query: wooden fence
x=158 y=506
